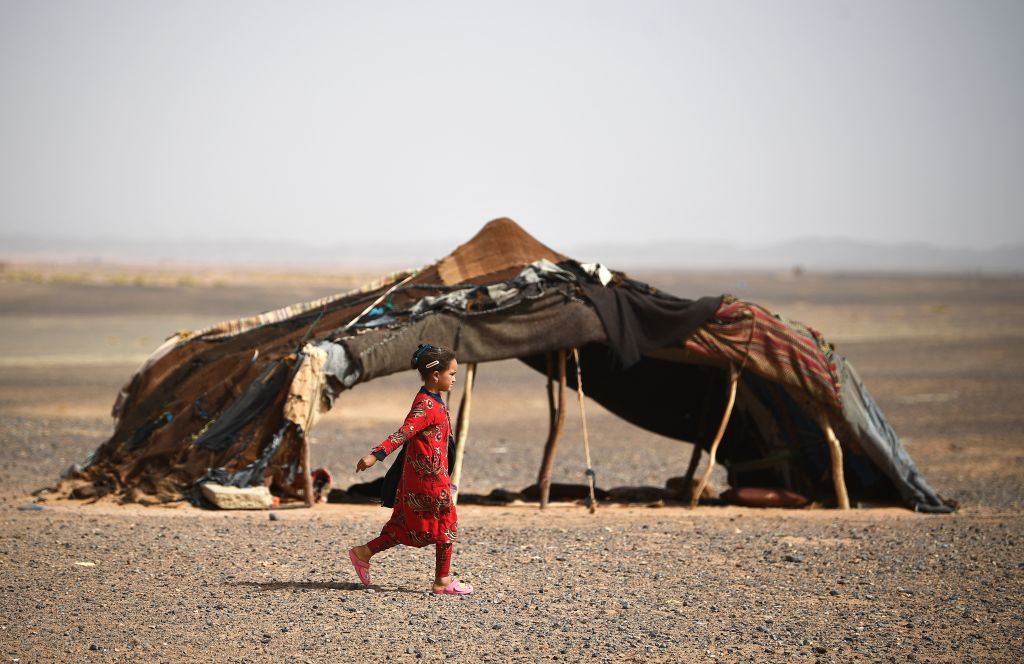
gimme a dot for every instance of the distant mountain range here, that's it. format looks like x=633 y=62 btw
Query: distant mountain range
x=816 y=254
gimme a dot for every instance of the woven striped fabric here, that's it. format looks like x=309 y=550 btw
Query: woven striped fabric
x=231 y=328
x=783 y=351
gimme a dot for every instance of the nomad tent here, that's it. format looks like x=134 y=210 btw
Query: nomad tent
x=768 y=398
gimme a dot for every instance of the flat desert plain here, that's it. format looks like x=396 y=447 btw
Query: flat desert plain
x=943 y=356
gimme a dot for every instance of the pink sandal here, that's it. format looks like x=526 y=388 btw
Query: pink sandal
x=456 y=587
x=362 y=569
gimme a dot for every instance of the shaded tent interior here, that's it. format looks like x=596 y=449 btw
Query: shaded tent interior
x=769 y=439
x=233 y=403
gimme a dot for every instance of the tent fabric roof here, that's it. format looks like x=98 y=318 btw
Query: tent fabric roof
x=219 y=403
x=499 y=246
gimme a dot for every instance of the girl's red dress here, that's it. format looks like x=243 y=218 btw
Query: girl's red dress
x=423 y=513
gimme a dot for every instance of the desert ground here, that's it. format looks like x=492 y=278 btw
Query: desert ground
x=942 y=355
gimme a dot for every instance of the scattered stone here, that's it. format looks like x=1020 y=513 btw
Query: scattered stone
x=234 y=498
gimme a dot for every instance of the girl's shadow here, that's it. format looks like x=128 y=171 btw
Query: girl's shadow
x=265 y=586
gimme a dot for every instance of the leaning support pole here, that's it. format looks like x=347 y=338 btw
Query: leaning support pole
x=836 y=452
x=307 y=478
x=558 y=422
x=462 y=427
x=734 y=377
x=379 y=300
x=583 y=419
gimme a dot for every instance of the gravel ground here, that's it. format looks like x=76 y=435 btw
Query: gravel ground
x=123 y=583
x=629 y=584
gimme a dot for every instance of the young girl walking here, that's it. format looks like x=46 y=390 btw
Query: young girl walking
x=424 y=512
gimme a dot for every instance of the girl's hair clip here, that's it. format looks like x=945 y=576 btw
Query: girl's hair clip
x=433 y=364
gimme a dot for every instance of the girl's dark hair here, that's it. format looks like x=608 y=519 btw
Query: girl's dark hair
x=428 y=359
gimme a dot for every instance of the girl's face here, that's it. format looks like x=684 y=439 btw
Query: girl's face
x=445 y=380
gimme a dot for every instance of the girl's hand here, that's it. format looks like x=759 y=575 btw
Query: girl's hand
x=366 y=462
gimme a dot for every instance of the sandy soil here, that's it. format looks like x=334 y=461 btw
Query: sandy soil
x=943 y=356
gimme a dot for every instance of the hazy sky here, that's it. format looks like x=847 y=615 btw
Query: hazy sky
x=585 y=121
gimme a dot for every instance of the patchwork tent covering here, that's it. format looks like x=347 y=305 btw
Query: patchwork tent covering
x=234 y=402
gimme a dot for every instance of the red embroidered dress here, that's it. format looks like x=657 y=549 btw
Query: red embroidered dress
x=423 y=513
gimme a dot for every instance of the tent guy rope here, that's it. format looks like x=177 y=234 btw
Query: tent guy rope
x=586 y=439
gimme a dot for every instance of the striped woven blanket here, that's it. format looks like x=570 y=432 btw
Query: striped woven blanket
x=783 y=351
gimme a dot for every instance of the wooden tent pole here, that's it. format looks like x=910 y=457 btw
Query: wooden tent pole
x=552 y=411
x=836 y=452
x=691 y=470
x=702 y=428
x=307 y=478
x=583 y=419
x=734 y=377
x=544 y=477
x=462 y=427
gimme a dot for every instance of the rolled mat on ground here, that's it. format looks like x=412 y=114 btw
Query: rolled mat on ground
x=233 y=404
